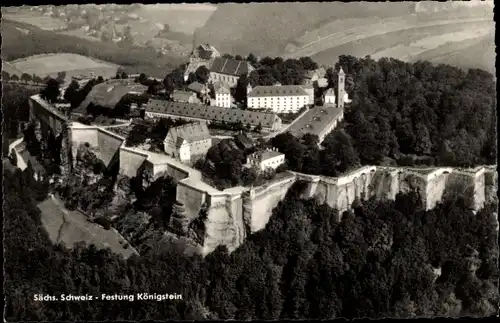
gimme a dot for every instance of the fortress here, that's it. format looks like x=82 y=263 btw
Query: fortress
x=233 y=214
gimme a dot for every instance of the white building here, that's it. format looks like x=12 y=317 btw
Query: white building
x=329 y=97
x=270 y=158
x=188 y=141
x=223 y=96
x=279 y=99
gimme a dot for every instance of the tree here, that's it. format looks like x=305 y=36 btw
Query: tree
x=308 y=63
x=238 y=58
x=142 y=78
x=13 y=157
x=25 y=77
x=423 y=143
x=5 y=76
x=202 y=74
x=14 y=78
x=227 y=56
x=240 y=91
x=61 y=76
x=37 y=79
x=51 y=92
x=124 y=75
x=169 y=85
x=100 y=80
x=71 y=93
x=252 y=59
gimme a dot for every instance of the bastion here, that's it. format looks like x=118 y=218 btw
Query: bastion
x=233 y=214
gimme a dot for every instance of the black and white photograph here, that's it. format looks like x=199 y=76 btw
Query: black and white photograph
x=249 y=161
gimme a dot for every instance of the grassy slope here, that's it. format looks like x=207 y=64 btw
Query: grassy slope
x=478 y=53
x=16 y=44
x=180 y=19
x=265 y=29
x=371 y=45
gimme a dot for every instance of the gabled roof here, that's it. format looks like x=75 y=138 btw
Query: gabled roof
x=222 y=88
x=191 y=132
x=196 y=87
x=181 y=96
x=245 y=140
x=283 y=90
x=107 y=94
x=320 y=72
x=231 y=66
x=264 y=155
x=315 y=121
x=200 y=111
x=205 y=51
x=330 y=92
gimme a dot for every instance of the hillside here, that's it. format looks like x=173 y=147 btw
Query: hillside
x=72 y=64
x=265 y=29
x=181 y=18
x=11 y=69
x=326 y=30
x=32 y=41
x=425 y=42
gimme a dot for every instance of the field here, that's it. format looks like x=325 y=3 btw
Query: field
x=71 y=227
x=11 y=69
x=72 y=64
x=42 y=22
x=182 y=18
x=414 y=43
x=390 y=26
x=17 y=44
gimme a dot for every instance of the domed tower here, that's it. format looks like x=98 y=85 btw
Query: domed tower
x=341 y=89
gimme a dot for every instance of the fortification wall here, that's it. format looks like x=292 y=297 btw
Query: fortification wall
x=224 y=223
x=259 y=203
x=177 y=172
x=81 y=135
x=130 y=161
x=192 y=199
x=491 y=184
x=109 y=144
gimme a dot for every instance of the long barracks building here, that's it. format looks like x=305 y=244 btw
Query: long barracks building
x=199 y=112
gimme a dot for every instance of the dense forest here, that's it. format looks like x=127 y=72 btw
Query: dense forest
x=438 y=114
x=135 y=59
x=15 y=107
x=382 y=259
x=406 y=114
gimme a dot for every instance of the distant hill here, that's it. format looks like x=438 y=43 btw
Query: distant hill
x=11 y=69
x=32 y=41
x=266 y=28
x=183 y=18
x=324 y=31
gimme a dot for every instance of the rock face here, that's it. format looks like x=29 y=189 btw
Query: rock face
x=232 y=217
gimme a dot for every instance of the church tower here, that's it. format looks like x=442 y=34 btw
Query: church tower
x=341 y=90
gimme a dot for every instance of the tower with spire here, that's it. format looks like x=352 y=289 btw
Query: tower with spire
x=341 y=89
